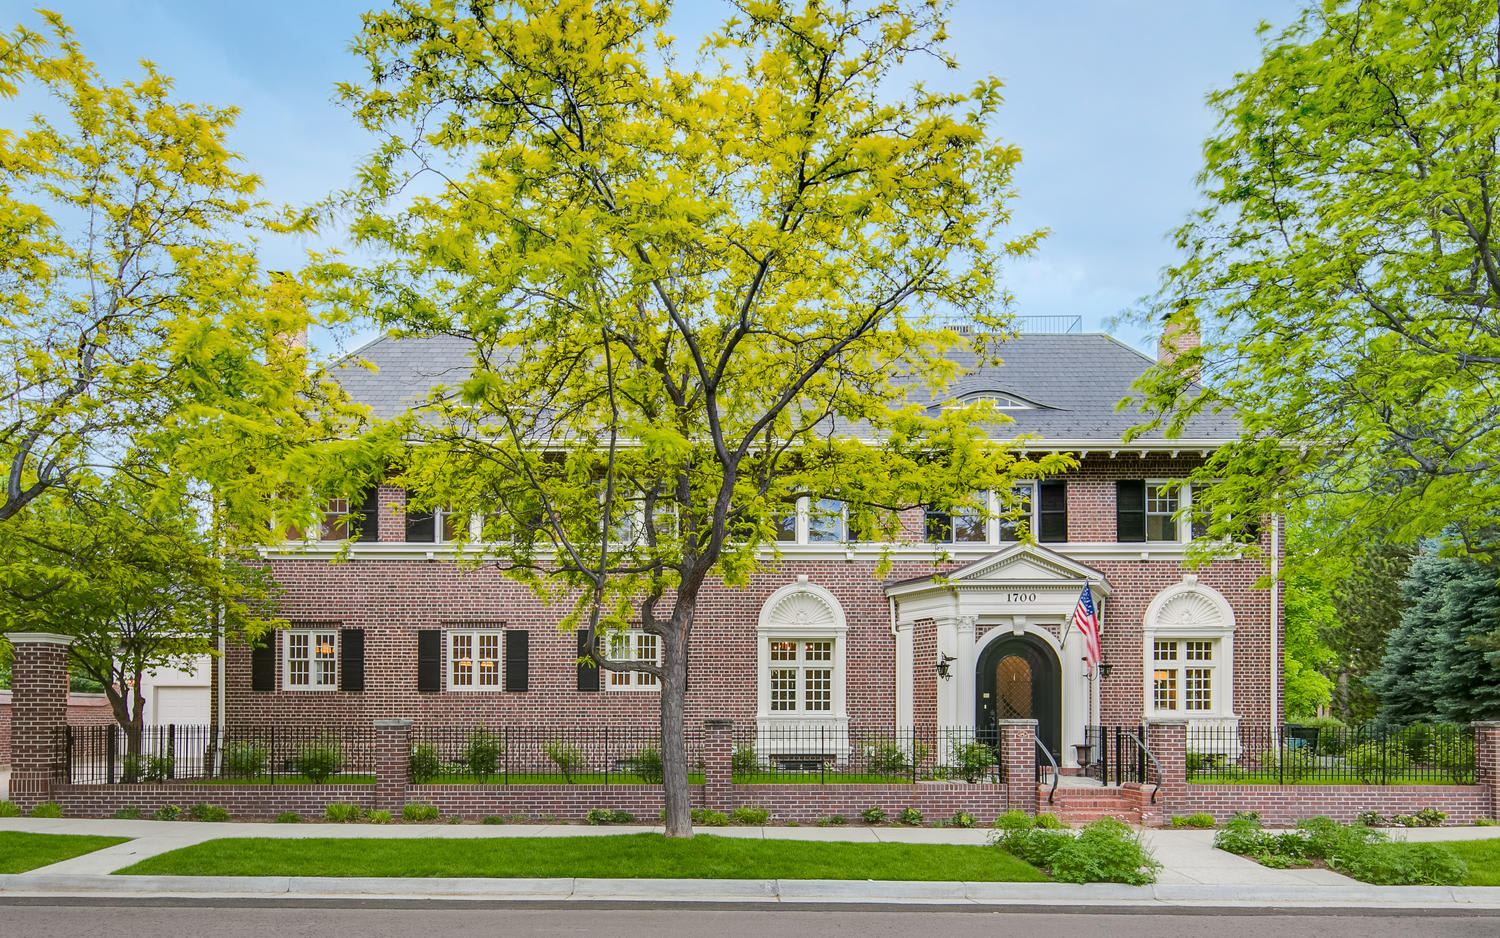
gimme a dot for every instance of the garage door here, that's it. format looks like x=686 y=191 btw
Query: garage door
x=184 y=706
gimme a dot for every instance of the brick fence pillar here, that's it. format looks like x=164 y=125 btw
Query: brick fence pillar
x=392 y=763
x=1167 y=740
x=38 y=713
x=1018 y=756
x=1487 y=762
x=718 y=765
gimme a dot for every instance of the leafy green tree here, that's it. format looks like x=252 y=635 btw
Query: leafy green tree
x=695 y=292
x=1309 y=615
x=1367 y=603
x=1439 y=665
x=1345 y=277
x=138 y=333
x=138 y=584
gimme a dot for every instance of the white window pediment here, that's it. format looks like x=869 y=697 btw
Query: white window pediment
x=800 y=669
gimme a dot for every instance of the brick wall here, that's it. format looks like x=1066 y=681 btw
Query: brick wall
x=245 y=801
x=4 y=727
x=39 y=705
x=1287 y=804
x=82 y=710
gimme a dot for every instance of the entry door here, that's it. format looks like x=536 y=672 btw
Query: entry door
x=1019 y=679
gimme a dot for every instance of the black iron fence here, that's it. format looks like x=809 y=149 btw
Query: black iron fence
x=510 y=755
x=1114 y=755
x=848 y=755
x=106 y=754
x=1331 y=754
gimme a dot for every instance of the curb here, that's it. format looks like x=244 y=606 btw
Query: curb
x=219 y=889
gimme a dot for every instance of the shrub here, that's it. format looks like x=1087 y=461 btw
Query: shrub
x=245 y=759
x=1455 y=759
x=343 y=813
x=1015 y=820
x=833 y=820
x=419 y=812
x=1372 y=819
x=1241 y=834
x=289 y=817
x=1417 y=740
x=1018 y=834
x=1049 y=821
x=1331 y=734
x=1200 y=821
x=609 y=816
x=424 y=763
x=148 y=768
x=1105 y=851
x=168 y=812
x=568 y=758
x=710 y=818
x=379 y=817
x=874 y=814
x=47 y=809
x=7 y=809
x=744 y=761
x=910 y=816
x=973 y=760
x=319 y=759
x=455 y=819
x=1373 y=759
x=492 y=819
x=208 y=812
x=1403 y=864
x=1203 y=762
x=746 y=814
x=130 y=813
x=1486 y=822
x=1290 y=764
x=961 y=819
x=646 y=765
x=887 y=757
x=482 y=751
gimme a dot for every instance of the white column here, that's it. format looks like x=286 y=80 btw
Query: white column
x=947 y=691
x=905 y=676
x=963 y=671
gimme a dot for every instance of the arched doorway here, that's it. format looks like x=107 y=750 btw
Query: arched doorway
x=1019 y=678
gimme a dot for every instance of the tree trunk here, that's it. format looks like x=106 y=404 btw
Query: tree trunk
x=679 y=820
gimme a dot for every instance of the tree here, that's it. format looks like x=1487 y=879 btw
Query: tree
x=137 y=585
x=1345 y=275
x=1309 y=614
x=138 y=334
x=1438 y=666
x=694 y=295
x=1368 y=603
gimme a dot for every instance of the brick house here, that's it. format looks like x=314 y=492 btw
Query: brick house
x=819 y=640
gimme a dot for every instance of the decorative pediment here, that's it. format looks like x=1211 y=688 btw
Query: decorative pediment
x=1027 y=563
x=800 y=608
x=1189 y=605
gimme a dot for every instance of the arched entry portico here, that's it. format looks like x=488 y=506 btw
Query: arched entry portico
x=1019 y=677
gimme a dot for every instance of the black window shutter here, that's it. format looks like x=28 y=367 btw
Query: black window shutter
x=588 y=673
x=429 y=660
x=369 y=508
x=351 y=659
x=1052 y=516
x=263 y=663
x=1130 y=510
x=517 y=659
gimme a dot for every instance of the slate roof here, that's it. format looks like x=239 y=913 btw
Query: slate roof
x=1073 y=383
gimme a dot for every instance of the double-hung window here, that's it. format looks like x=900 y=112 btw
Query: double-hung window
x=801 y=675
x=826 y=522
x=1016 y=515
x=1183 y=675
x=961 y=524
x=1144 y=510
x=311 y=659
x=474 y=659
x=634 y=646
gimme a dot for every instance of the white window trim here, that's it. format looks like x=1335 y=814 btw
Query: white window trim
x=450 y=664
x=314 y=684
x=1220 y=633
x=1179 y=516
x=1031 y=517
x=637 y=680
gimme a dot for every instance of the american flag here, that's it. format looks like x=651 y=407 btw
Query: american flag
x=1088 y=623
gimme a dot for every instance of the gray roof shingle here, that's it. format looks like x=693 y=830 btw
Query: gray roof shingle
x=1074 y=382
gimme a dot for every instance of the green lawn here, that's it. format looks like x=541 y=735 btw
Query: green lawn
x=1483 y=858
x=627 y=856
x=20 y=852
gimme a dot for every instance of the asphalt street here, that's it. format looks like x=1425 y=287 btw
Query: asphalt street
x=53 y=919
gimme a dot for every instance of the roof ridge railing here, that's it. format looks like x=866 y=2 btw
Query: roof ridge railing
x=1026 y=325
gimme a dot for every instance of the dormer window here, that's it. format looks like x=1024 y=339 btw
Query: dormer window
x=1000 y=400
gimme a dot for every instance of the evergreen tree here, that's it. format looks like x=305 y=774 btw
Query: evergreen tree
x=1367 y=603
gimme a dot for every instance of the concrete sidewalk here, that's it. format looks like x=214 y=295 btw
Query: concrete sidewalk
x=1194 y=873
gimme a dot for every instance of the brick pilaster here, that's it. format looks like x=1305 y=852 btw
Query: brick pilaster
x=718 y=765
x=392 y=501
x=392 y=763
x=39 y=713
x=1487 y=762
x=1167 y=740
x=1018 y=756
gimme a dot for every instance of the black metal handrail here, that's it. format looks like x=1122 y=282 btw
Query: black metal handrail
x=1141 y=744
x=1055 y=773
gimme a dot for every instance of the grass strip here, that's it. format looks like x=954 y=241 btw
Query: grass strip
x=20 y=851
x=625 y=856
x=1483 y=858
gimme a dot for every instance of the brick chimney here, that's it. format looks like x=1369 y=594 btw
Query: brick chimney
x=1179 y=334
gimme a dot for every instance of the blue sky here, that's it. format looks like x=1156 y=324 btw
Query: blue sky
x=1104 y=98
